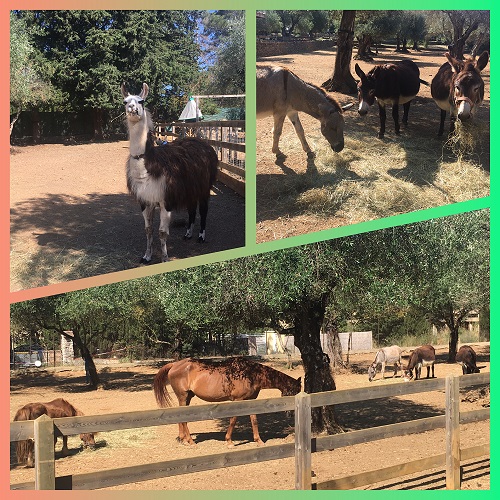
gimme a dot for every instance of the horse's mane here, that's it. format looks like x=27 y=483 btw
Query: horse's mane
x=322 y=91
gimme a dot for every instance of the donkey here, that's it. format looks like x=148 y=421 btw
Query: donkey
x=176 y=175
x=281 y=93
x=395 y=84
x=422 y=356
x=458 y=88
x=387 y=355
x=466 y=356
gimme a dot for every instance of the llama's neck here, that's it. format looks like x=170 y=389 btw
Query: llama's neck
x=138 y=135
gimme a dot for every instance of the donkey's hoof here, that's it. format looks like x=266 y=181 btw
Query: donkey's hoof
x=201 y=239
x=187 y=236
x=311 y=155
x=145 y=261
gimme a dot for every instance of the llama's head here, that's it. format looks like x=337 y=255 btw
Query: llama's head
x=134 y=104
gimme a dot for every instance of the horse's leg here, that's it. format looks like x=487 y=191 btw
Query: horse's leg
x=382 y=115
x=190 y=226
x=294 y=118
x=65 y=450
x=203 y=217
x=277 y=129
x=395 y=116
x=255 y=428
x=229 y=433
x=184 y=434
x=148 y=213
x=165 y=216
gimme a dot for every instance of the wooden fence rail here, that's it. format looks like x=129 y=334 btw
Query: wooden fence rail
x=302 y=448
x=227 y=137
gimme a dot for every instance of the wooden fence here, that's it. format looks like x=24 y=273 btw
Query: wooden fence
x=227 y=138
x=44 y=428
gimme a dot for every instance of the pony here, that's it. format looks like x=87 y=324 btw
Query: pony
x=172 y=176
x=54 y=409
x=232 y=379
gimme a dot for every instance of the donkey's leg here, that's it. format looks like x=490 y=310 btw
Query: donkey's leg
x=395 y=117
x=203 y=218
x=406 y=110
x=382 y=370
x=165 y=216
x=382 y=115
x=294 y=118
x=148 y=213
x=277 y=129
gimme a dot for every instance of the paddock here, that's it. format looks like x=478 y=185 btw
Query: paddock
x=370 y=178
x=72 y=216
x=138 y=447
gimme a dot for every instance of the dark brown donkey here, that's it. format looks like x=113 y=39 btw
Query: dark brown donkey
x=55 y=409
x=395 y=84
x=466 y=356
x=458 y=88
x=422 y=356
x=233 y=379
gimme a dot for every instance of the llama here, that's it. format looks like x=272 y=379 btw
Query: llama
x=172 y=176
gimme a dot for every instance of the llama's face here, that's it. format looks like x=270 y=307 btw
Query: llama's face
x=134 y=104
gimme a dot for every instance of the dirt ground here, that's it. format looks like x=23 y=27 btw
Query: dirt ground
x=394 y=175
x=128 y=388
x=72 y=217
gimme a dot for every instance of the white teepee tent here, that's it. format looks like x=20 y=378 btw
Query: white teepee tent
x=191 y=111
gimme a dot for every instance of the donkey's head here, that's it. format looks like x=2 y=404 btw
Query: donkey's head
x=134 y=104
x=372 y=371
x=467 y=90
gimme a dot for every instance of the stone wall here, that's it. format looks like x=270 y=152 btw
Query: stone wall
x=266 y=48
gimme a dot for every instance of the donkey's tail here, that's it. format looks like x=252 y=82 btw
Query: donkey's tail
x=424 y=82
x=160 y=386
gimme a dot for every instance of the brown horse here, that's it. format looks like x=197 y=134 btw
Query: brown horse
x=55 y=409
x=233 y=379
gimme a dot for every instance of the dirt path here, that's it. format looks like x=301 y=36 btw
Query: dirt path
x=72 y=217
x=128 y=388
x=371 y=178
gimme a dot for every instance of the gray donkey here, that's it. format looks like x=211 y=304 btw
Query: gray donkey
x=388 y=355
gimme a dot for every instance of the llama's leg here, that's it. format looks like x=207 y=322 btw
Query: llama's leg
x=148 y=213
x=294 y=118
x=190 y=226
x=203 y=218
x=165 y=216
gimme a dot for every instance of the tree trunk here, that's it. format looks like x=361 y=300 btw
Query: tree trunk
x=318 y=376
x=98 y=124
x=90 y=369
x=364 y=44
x=14 y=120
x=452 y=345
x=342 y=80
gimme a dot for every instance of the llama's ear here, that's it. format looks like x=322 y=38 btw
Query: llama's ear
x=124 y=91
x=144 y=91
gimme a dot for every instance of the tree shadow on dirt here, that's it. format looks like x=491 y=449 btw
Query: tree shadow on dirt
x=78 y=237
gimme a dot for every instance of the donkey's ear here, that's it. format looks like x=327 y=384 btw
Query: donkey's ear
x=124 y=91
x=454 y=63
x=482 y=61
x=359 y=71
x=144 y=91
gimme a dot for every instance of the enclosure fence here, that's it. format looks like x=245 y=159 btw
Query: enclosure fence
x=44 y=429
x=227 y=137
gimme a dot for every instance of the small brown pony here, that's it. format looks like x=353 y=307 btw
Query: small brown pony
x=233 y=379
x=55 y=409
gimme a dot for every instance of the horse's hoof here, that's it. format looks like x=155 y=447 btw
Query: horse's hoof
x=260 y=443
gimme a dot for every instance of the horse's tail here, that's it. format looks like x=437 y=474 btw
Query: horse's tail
x=160 y=386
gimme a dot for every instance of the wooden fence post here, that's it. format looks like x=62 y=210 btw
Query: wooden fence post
x=44 y=454
x=452 y=433
x=302 y=441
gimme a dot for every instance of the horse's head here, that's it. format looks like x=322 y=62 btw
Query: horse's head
x=26 y=452
x=294 y=387
x=88 y=440
x=134 y=104
x=467 y=84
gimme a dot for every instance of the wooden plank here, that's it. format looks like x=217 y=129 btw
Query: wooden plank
x=236 y=185
x=474 y=379
x=45 y=470
x=381 y=432
x=467 y=417
x=233 y=146
x=115 y=477
x=480 y=450
x=303 y=441
x=385 y=474
x=452 y=433
x=21 y=430
x=382 y=391
x=208 y=124
x=232 y=168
